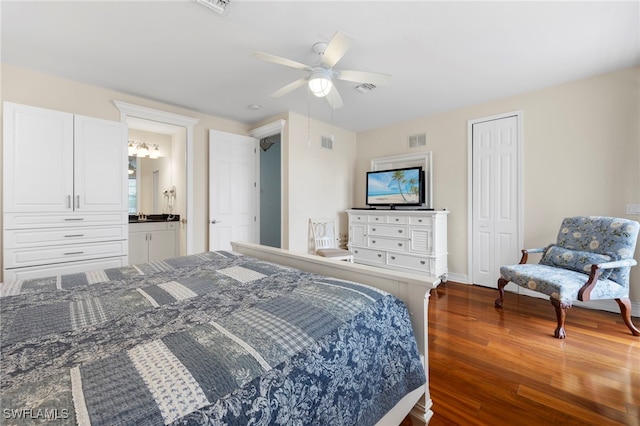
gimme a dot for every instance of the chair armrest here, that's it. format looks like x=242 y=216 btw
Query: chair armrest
x=525 y=253
x=584 y=294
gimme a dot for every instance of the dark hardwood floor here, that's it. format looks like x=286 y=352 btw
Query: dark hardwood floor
x=504 y=367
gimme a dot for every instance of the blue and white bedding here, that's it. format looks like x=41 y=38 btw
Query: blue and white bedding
x=214 y=338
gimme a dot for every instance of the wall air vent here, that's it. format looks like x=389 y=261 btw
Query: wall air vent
x=218 y=6
x=418 y=140
x=326 y=142
x=365 y=87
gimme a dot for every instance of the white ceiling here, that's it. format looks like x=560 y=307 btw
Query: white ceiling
x=442 y=55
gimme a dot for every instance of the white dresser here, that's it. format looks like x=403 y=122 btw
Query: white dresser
x=406 y=240
x=64 y=193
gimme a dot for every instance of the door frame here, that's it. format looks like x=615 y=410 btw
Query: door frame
x=519 y=114
x=132 y=110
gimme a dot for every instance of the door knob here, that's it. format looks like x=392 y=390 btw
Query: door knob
x=215 y=221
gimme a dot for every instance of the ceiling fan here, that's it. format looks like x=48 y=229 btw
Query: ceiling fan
x=321 y=75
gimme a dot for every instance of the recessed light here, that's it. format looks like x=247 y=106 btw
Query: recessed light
x=255 y=107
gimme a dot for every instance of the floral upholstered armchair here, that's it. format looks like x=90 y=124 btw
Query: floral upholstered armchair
x=591 y=260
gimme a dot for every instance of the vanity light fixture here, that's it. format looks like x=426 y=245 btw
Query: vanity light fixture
x=135 y=149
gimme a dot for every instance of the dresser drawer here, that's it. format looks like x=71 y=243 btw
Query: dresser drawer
x=43 y=271
x=423 y=264
x=368 y=255
x=55 y=220
x=394 y=244
x=420 y=220
x=22 y=238
x=388 y=230
x=399 y=220
x=16 y=258
x=377 y=218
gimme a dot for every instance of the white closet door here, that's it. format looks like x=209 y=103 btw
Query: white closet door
x=233 y=189
x=38 y=159
x=100 y=165
x=495 y=198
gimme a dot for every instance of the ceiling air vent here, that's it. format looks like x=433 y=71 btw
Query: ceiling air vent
x=326 y=142
x=418 y=140
x=365 y=87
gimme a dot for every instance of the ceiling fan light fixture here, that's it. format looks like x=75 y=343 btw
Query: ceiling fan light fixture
x=320 y=83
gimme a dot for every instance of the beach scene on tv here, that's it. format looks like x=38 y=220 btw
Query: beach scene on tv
x=394 y=187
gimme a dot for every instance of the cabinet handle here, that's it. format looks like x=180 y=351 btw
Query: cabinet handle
x=73 y=252
x=149 y=237
x=377 y=218
x=74 y=235
x=68 y=201
x=77 y=201
x=68 y=219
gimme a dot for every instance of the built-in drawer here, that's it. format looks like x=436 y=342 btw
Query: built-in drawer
x=423 y=264
x=388 y=230
x=42 y=271
x=152 y=226
x=53 y=220
x=381 y=243
x=368 y=255
x=21 y=238
x=16 y=258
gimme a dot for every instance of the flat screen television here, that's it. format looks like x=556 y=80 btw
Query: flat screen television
x=396 y=187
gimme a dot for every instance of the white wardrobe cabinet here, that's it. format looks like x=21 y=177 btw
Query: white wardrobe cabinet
x=405 y=240
x=65 y=192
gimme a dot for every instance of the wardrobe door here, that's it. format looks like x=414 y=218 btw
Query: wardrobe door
x=100 y=165
x=38 y=159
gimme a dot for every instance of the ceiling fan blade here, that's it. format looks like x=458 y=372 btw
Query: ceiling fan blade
x=288 y=88
x=337 y=47
x=376 y=78
x=334 y=98
x=282 y=61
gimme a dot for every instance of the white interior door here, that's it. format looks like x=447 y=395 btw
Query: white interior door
x=495 y=202
x=233 y=189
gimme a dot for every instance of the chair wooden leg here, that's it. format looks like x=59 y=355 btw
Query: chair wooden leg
x=625 y=311
x=501 y=285
x=561 y=313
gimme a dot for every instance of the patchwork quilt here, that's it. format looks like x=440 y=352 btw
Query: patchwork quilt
x=215 y=338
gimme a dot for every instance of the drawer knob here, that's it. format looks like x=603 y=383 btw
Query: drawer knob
x=399 y=244
x=373 y=229
x=422 y=262
x=397 y=219
x=399 y=231
x=355 y=251
x=373 y=241
x=379 y=255
x=393 y=258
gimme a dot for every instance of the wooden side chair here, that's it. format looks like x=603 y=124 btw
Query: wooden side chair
x=590 y=260
x=325 y=241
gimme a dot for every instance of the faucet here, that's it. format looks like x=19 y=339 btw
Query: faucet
x=142 y=216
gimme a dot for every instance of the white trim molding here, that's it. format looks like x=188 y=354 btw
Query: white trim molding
x=132 y=110
x=268 y=129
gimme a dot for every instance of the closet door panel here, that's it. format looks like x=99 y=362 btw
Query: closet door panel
x=38 y=159
x=100 y=165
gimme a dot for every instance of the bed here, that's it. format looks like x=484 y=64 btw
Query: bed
x=250 y=336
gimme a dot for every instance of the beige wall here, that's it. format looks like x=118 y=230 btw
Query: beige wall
x=32 y=88
x=581 y=156
x=320 y=181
